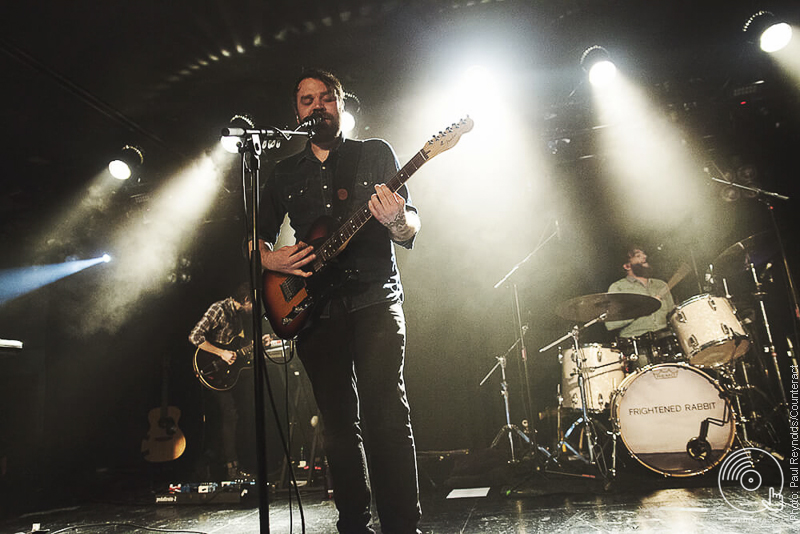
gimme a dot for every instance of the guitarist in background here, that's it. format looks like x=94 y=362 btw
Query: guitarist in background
x=353 y=346
x=220 y=326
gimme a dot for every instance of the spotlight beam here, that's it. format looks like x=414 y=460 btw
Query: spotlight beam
x=20 y=281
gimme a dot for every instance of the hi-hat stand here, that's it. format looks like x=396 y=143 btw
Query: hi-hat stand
x=584 y=422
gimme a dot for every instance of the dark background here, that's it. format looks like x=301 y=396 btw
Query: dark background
x=83 y=78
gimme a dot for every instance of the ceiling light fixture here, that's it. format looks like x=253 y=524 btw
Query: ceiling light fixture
x=596 y=61
x=772 y=33
x=129 y=160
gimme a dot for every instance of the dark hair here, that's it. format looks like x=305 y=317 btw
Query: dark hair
x=331 y=82
x=631 y=252
x=242 y=293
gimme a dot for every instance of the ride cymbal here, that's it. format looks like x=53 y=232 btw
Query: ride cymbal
x=617 y=306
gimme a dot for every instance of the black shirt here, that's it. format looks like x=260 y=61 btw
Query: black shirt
x=305 y=189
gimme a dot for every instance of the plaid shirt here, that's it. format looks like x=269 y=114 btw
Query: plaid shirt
x=219 y=325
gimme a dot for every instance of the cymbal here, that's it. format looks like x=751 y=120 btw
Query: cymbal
x=618 y=306
x=756 y=249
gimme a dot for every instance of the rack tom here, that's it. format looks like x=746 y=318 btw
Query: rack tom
x=708 y=330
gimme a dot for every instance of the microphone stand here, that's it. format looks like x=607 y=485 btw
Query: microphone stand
x=520 y=328
x=251 y=147
x=762 y=197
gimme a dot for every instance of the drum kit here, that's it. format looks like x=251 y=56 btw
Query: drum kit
x=689 y=402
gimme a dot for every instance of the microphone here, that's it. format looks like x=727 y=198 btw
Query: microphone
x=311 y=122
x=233 y=132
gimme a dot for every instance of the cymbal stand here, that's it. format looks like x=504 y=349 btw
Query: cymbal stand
x=509 y=429
x=520 y=332
x=584 y=421
x=759 y=295
x=764 y=197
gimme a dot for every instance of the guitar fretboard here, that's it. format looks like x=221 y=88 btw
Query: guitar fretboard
x=336 y=242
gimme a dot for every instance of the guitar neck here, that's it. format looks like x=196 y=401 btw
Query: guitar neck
x=338 y=239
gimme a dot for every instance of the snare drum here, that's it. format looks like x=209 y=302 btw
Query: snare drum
x=708 y=330
x=603 y=371
x=659 y=410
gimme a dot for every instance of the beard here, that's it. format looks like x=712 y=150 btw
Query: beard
x=328 y=129
x=641 y=270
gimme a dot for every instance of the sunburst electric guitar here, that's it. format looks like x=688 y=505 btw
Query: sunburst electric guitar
x=289 y=299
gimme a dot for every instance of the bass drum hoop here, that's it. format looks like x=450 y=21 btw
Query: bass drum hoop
x=620 y=393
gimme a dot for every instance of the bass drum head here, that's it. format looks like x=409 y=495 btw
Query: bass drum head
x=660 y=409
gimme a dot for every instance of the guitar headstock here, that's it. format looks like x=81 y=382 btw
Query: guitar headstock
x=449 y=137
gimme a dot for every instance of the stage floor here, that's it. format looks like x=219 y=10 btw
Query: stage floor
x=516 y=501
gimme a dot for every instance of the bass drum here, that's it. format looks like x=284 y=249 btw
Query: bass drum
x=659 y=411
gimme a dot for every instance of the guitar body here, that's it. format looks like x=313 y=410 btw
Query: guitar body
x=215 y=374
x=164 y=441
x=289 y=299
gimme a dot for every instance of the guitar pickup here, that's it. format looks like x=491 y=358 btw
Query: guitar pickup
x=291 y=287
x=304 y=304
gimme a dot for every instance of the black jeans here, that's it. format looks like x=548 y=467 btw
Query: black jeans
x=354 y=361
x=231 y=434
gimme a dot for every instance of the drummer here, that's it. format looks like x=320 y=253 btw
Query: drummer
x=638 y=280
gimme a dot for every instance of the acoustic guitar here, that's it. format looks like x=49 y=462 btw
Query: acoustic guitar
x=289 y=299
x=164 y=440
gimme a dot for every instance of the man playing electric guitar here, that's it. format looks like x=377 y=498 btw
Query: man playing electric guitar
x=222 y=324
x=353 y=345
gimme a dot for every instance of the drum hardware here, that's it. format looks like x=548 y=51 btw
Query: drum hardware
x=661 y=346
x=594 y=309
x=603 y=370
x=746 y=415
x=578 y=360
x=559 y=428
x=759 y=294
x=699 y=448
x=509 y=430
x=520 y=342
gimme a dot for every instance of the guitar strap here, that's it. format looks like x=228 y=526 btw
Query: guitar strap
x=344 y=179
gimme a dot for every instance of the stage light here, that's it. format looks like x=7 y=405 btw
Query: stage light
x=596 y=61
x=348 y=123
x=129 y=160
x=231 y=144
x=106 y=258
x=772 y=33
x=352 y=109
